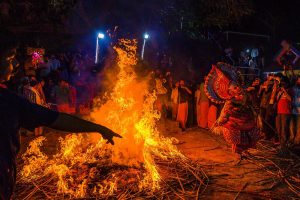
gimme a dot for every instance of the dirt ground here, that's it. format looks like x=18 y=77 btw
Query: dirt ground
x=226 y=179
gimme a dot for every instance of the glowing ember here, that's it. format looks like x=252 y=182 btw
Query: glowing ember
x=86 y=167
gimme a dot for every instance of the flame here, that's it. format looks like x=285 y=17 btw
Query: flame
x=129 y=112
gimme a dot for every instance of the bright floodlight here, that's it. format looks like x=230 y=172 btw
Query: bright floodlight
x=146 y=37
x=101 y=35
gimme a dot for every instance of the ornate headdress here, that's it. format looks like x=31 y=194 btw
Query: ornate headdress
x=217 y=83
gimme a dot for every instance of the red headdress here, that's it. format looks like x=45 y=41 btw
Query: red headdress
x=218 y=81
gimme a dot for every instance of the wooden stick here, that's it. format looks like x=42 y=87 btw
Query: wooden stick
x=237 y=195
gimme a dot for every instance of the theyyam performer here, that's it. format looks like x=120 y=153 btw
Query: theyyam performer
x=237 y=121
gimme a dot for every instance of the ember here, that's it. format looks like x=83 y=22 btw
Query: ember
x=143 y=164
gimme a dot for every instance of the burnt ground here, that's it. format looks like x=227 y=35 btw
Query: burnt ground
x=227 y=180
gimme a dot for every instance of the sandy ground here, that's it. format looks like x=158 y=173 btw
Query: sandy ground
x=227 y=180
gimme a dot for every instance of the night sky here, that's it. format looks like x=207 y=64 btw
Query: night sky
x=277 y=18
x=280 y=19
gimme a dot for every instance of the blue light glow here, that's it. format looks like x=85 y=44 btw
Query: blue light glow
x=101 y=36
x=146 y=36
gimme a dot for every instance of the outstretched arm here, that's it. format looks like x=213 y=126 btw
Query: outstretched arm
x=32 y=116
x=69 y=123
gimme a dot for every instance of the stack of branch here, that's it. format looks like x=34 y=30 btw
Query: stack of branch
x=180 y=179
x=284 y=169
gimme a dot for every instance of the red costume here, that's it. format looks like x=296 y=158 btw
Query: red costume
x=237 y=120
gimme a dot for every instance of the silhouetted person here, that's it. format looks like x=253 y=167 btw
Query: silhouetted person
x=17 y=112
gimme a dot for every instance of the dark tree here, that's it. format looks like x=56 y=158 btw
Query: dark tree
x=189 y=16
x=192 y=16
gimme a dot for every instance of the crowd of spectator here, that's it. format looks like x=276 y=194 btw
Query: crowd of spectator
x=62 y=82
x=275 y=101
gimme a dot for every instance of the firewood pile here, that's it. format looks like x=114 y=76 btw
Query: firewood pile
x=283 y=169
x=180 y=179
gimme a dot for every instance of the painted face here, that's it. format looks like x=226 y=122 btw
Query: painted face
x=177 y=84
x=234 y=90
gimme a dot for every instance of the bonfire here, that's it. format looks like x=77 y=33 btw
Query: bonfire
x=143 y=164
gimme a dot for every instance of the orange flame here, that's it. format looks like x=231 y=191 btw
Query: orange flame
x=129 y=112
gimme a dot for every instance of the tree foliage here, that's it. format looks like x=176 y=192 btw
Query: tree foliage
x=193 y=15
x=60 y=7
x=189 y=16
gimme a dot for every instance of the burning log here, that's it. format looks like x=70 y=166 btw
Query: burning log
x=180 y=179
x=143 y=165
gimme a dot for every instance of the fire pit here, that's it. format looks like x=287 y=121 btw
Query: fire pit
x=143 y=164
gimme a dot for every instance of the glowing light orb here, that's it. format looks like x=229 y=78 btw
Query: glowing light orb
x=101 y=36
x=146 y=36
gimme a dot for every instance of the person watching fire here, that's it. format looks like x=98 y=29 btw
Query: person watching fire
x=184 y=94
x=17 y=112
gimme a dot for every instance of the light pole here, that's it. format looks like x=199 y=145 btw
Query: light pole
x=100 y=36
x=146 y=37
